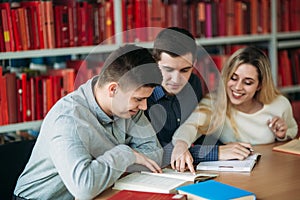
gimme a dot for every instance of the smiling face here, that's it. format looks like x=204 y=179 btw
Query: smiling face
x=242 y=86
x=125 y=104
x=176 y=71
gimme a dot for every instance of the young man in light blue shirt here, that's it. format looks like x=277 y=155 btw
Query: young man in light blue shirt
x=93 y=135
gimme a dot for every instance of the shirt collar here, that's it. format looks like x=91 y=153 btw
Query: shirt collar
x=158 y=93
x=101 y=115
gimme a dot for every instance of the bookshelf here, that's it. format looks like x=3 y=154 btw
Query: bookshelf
x=272 y=41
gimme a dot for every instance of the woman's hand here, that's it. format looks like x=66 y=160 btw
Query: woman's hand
x=278 y=127
x=235 y=150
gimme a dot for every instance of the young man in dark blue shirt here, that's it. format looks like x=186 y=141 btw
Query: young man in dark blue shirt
x=170 y=104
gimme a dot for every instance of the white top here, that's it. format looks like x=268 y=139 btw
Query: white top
x=252 y=128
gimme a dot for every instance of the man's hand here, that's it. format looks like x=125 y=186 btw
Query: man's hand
x=235 y=150
x=147 y=162
x=182 y=157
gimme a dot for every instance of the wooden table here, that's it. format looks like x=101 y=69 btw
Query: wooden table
x=275 y=176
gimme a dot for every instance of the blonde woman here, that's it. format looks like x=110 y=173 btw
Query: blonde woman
x=256 y=112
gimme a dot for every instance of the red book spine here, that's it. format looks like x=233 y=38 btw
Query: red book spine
x=254 y=16
x=221 y=10
x=109 y=22
x=3 y=100
x=16 y=30
x=19 y=101
x=201 y=19
x=208 y=20
x=2 y=44
x=140 y=22
x=39 y=97
x=230 y=17
x=11 y=89
x=58 y=25
x=7 y=26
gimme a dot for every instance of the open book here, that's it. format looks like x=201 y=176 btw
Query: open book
x=165 y=182
x=292 y=147
x=230 y=165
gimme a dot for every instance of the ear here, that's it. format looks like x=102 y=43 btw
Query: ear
x=258 y=88
x=112 y=89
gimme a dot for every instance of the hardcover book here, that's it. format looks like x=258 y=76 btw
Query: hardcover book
x=128 y=195
x=214 y=190
x=292 y=147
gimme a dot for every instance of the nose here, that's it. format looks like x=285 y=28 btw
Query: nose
x=176 y=76
x=143 y=105
x=238 y=85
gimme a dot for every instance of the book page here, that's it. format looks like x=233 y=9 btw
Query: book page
x=292 y=146
x=188 y=176
x=230 y=165
x=148 y=183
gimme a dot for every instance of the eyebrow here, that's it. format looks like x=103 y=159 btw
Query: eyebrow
x=188 y=67
x=247 y=78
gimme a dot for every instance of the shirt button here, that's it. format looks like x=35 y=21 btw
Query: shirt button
x=178 y=119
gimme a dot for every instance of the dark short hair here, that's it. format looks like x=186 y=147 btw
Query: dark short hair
x=130 y=66
x=175 y=42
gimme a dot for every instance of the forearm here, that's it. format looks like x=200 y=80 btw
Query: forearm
x=85 y=177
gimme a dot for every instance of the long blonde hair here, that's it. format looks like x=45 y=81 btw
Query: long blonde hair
x=255 y=57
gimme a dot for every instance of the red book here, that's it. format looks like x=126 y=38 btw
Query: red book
x=221 y=22
x=7 y=26
x=140 y=22
x=4 y=119
x=49 y=33
x=284 y=69
x=128 y=17
x=39 y=97
x=36 y=22
x=81 y=71
x=200 y=23
x=65 y=22
x=285 y=15
x=294 y=14
x=11 y=89
x=101 y=21
x=19 y=100
x=208 y=20
x=192 y=17
x=129 y=195
x=16 y=30
x=230 y=17
x=109 y=22
x=82 y=22
x=57 y=87
x=24 y=29
x=68 y=78
x=254 y=16
x=2 y=44
x=238 y=20
x=265 y=16
x=58 y=23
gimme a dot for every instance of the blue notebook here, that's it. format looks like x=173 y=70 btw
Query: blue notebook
x=214 y=190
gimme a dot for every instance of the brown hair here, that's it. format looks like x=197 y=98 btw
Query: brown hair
x=130 y=65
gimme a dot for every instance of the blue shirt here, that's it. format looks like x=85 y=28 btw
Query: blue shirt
x=167 y=113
